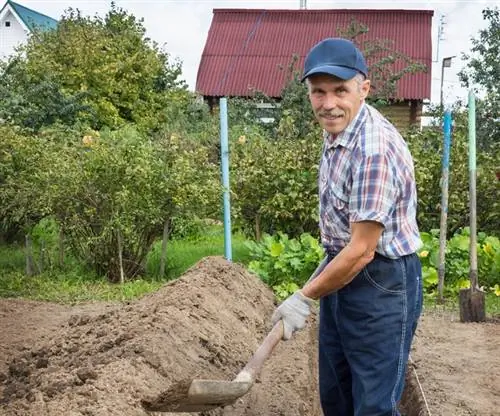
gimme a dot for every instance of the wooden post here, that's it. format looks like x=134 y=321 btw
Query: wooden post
x=444 y=202
x=120 y=256
x=41 y=263
x=61 y=246
x=163 y=258
x=30 y=269
x=472 y=302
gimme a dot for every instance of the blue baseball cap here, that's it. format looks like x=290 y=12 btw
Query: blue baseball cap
x=337 y=57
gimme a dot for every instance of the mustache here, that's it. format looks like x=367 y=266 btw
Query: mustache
x=331 y=113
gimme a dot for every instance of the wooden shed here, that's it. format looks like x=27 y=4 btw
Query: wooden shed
x=247 y=49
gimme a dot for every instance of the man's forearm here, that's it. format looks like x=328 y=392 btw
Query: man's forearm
x=339 y=272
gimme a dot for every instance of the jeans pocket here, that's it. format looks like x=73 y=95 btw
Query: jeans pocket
x=386 y=275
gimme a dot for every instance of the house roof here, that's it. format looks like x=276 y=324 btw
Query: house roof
x=31 y=18
x=246 y=48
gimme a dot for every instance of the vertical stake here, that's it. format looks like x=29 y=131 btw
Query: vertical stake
x=224 y=148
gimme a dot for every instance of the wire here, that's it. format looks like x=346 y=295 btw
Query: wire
x=420 y=386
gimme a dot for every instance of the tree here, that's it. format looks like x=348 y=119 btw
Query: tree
x=482 y=72
x=102 y=72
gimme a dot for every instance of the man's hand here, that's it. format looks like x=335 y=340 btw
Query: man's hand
x=294 y=312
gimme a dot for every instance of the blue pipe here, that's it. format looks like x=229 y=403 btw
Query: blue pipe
x=447 y=139
x=224 y=149
x=444 y=202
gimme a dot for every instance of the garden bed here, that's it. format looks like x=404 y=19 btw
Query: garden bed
x=102 y=359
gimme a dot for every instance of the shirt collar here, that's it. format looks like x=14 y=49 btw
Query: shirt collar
x=348 y=137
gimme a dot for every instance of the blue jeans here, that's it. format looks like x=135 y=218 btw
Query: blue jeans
x=365 y=334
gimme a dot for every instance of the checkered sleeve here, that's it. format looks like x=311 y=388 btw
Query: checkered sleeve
x=374 y=190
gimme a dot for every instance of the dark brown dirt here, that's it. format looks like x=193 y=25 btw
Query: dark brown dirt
x=103 y=359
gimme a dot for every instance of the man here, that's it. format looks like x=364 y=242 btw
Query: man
x=370 y=291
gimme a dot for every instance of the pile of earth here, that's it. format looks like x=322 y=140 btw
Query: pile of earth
x=102 y=359
x=205 y=324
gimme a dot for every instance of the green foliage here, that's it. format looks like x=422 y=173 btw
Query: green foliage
x=74 y=283
x=96 y=71
x=295 y=120
x=11 y=259
x=483 y=72
x=130 y=186
x=427 y=149
x=274 y=184
x=71 y=288
x=22 y=202
x=457 y=261
x=117 y=184
x=285 y=263
x=183 y=253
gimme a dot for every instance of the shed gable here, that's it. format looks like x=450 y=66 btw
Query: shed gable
x=249 y=49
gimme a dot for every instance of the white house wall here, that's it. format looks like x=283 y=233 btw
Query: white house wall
x=11 y=36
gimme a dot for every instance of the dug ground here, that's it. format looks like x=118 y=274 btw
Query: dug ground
x=102 y=359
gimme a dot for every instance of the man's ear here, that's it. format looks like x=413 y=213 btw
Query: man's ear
x=365 y=88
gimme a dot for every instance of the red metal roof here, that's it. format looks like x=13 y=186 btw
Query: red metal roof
x=246 y=48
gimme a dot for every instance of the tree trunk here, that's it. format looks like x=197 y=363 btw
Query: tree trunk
x=258 y=234
x=120 y=257
x=163 y=258
x=472 y=306
x=41 y=263
x=61 y=247
x=30 y=268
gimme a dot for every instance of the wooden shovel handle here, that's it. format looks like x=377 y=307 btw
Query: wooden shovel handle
x=272 y=339
x=265 y=349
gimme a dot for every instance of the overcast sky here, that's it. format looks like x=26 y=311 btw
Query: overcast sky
x=181 y=26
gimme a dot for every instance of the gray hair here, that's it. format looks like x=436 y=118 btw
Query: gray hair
x=359 y=78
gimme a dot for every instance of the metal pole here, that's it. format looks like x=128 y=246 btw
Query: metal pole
x=444 y=202
x=472 y=193
x=441 y=89
x=224 y=148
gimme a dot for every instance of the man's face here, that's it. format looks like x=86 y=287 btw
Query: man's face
x=336 y=102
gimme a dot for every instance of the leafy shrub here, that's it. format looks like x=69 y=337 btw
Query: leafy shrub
x=457 y=261
x=274 y=184
x=285 y=263
x=427 y=150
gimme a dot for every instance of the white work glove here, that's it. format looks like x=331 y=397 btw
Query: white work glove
x=294 y=312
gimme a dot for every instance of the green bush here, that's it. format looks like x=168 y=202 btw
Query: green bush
x=427 y=150
x=285 y=263
x=457 y=261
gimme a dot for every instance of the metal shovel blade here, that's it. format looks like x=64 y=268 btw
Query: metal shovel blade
x=197 y=395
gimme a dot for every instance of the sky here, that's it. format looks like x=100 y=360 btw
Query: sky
x=181 y=27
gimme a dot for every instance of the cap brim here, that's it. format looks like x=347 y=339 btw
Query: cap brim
x=338 y=71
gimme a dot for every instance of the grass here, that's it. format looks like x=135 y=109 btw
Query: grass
x=182 y=254
x=75 y=284
x=70 y=288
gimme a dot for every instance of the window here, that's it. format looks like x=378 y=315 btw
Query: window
x=7 y=23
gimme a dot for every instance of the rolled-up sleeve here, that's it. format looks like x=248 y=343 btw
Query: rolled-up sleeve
x=374 y=190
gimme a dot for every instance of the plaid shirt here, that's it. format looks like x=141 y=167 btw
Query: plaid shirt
x=366 y=173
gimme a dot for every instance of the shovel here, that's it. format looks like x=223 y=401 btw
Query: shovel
x=196 y=395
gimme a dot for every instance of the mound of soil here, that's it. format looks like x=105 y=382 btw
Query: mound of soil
x=102 y=359
x=205 y=325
